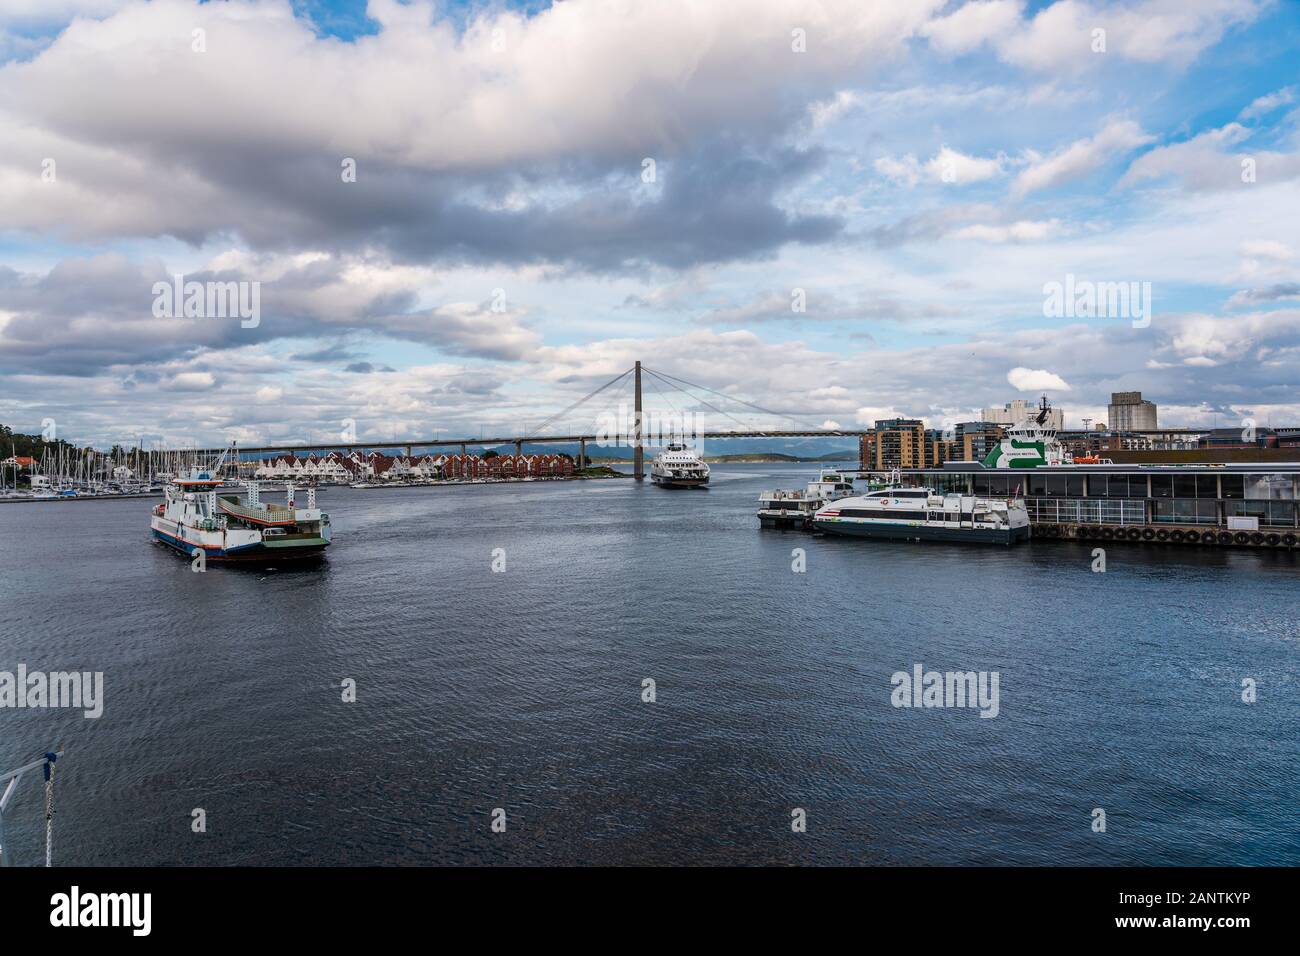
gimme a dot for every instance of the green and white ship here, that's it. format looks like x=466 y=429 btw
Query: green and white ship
x=920 y=514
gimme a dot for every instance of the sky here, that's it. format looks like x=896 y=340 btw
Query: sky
x=838 y=210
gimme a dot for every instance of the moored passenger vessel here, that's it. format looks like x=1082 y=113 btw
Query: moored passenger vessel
x=919 y=514
x=795 y=508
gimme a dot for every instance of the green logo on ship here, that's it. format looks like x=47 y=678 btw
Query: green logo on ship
x=1017 y=454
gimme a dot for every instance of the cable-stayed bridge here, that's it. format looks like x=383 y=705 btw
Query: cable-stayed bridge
x=640 y=428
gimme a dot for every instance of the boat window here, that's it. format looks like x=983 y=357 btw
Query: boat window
x=1162 y=486
x=1233 y=486
x=893 y=514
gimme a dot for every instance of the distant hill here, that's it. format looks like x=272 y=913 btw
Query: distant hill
x=753 y=456
x=724 y=449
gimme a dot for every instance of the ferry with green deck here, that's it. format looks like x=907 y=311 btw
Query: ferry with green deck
x=196 y=518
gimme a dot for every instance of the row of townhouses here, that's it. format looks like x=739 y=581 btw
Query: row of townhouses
x=357 y=467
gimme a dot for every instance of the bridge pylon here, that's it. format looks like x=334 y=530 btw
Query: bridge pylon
x=638 y=451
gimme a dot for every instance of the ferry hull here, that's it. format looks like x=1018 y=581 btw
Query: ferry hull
x=275 y=553
x=902 y=532
x=786 y=519
x=679 y=482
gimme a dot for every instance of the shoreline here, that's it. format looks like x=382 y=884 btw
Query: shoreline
x=280 y=486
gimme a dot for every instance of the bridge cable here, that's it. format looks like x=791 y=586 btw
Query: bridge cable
x=533 y=433
x=744 y=425
x=660 y=393
x=759 y=408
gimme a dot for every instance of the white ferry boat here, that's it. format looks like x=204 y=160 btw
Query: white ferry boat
x=795 y=509
x=679 y=467
x=194 y=516
x=919 y=514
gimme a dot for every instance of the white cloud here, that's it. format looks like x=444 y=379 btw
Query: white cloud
x=191 y=382
x=1036 y=380
x=1208 y=340
x=825 y=112
x=467 y=328
x=1263 y=261
x=1267 y=249
x=1266 y=104
x=947 y=166
x=974 y=24
x=1060 y=37
x=1253 y=298
x=1023 y=230
x=55 y=11
x=1212 y=161
x=589 y=78
x=1081 y=157
x=950 y=166
x=905 y=171
x=868 y=415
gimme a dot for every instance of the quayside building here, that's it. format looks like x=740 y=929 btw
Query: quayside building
x=1211 y=504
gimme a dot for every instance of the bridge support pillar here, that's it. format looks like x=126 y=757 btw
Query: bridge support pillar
x=582 y=452
x=519 y=448
x=462 y=449
x=408 y=451
x=638 y=452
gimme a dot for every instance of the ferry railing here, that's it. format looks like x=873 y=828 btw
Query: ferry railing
x=1086 y=511
x=14 y=777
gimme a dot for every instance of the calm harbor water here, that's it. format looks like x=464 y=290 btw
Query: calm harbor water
x=522 y=690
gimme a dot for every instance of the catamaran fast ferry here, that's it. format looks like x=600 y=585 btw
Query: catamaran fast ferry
x=919 y=514
x=195 y=516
